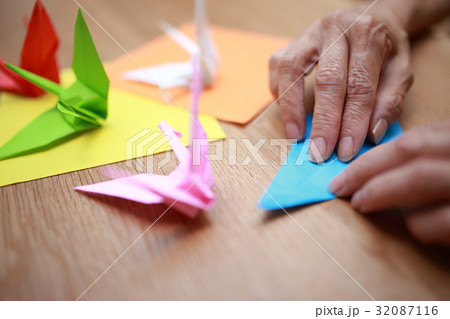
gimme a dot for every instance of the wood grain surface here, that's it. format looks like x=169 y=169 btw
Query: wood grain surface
x=55 y=242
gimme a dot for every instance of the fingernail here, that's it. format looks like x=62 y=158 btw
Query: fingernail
x=379 y=130
x=346 y=149
x=317 y=149
x=337 y=184
x=293 y=131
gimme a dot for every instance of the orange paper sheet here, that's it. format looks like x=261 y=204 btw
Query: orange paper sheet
x=241 y=90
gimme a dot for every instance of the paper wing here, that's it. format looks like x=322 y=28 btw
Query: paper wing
x=139 y=188
x=203 y=37
x=41 y=44
x=168 y=75
x=133 y=188
x=88 y=67
x=180 y=38
x=47 y=130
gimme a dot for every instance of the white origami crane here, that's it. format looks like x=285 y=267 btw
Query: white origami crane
x=179 y=74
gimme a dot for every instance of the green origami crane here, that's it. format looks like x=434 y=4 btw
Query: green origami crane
x=79 y=108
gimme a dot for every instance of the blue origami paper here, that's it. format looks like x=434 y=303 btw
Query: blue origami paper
x=301 y=182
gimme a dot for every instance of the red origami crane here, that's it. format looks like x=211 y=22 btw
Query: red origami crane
x=38 y=55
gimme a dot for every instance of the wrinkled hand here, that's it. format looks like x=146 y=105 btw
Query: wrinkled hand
x=411 y=172
x=363 y=74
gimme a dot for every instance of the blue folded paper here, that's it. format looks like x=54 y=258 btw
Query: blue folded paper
x=300 y=182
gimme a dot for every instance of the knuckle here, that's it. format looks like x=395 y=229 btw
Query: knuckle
x=367 y=23
x=286 y=63
x=325 y=120
x=355 y=121
x=378 y=31
x=359 y=83
x=354 y=116
x=386 y=46
x=375 y=31
x=334 y=18
x=363 y=25
x=332 y=74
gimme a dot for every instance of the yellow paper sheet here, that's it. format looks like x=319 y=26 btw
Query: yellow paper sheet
x=129 y=115
x=241 y=90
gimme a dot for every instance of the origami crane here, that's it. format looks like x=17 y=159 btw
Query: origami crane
x=187 y=188
x=38 y=55
x=79 y=108
x=301 y=182
x=179 y=74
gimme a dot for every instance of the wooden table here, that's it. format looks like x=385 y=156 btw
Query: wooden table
x=55 y=243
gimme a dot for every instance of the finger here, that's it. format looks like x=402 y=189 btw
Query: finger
x=430 y=140
x=295 y=62
x=273 y=72
x=290 y=94
x=367 y=54
x=418 y=182
x=432 y=225
x=329 y=92
x=395 y=81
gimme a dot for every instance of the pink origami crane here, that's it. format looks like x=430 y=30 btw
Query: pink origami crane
x=38 y=55
x=187 y=188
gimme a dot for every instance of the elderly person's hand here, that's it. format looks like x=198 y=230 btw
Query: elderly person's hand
x=363 y=73
x=412 y=172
